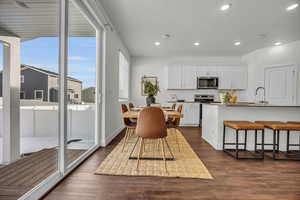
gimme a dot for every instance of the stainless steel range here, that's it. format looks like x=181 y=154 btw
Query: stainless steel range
x=203 y=98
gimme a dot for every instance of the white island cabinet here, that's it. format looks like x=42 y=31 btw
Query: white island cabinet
x=214 y=115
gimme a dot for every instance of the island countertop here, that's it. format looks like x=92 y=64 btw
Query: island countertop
x=247 y=104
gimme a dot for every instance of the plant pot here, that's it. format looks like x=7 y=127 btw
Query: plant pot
x=150 y=100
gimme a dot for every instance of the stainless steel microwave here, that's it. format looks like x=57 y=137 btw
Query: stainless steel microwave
x=207 y=82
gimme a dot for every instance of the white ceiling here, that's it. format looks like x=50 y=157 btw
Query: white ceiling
x=40 y=19
x=142 y=22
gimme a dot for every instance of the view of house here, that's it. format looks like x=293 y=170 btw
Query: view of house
x=40 y=84
x=150 y=100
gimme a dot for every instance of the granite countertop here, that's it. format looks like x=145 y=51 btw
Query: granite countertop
x=247 y=104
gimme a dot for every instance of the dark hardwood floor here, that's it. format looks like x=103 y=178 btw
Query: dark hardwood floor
x=21 y=176
x=233 y=180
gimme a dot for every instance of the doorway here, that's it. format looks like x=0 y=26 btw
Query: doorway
x=280 y=84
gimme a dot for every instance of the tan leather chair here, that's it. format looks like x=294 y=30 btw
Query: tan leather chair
x=129 y=124
x=131 y=106
x=151 y=124
x=173 y=124
x=173 y=106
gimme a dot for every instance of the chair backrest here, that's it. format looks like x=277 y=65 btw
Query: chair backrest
x=179 y=109
x=151 y=123
x=124 y=109
x=173 y=106
x=130 y=105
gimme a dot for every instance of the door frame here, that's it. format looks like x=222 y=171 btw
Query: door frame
x=295 y=72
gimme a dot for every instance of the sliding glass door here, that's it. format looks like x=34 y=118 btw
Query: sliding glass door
x=81 y=84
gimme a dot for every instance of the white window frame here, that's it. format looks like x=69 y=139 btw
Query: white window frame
x=22 y=79
x=123 y=81
x=35 y=91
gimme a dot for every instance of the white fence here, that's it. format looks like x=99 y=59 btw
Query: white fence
x=42 y=121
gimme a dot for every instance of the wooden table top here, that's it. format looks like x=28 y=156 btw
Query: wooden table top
x=135 y=114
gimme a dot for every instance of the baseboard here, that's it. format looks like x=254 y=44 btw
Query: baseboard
x=111 y=136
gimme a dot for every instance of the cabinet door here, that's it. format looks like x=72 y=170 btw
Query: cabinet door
x=233 y=79
x=196 y=113
x=174 y=77
x=187 y=115
x=189 y=77
x=225 y=80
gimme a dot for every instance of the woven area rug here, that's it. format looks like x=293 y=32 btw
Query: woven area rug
x=186 y=164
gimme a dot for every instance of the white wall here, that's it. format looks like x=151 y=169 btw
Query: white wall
x=112 y=110
x=272 y=56
x=157 y=66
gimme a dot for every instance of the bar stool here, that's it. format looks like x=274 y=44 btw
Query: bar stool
x=277 y=127
x=243 y=126
x=295 y=127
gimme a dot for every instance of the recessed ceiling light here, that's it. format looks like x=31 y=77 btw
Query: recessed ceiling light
x=225 y=7
x=196 y=43
x=21 y=4
x=157 y=43
x=166 y=36
x=237 y=43
x=292 y=7
x=277 y=43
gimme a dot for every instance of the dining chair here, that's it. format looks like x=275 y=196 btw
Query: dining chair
x=151 y=124
x=173 y=124
x=129 y=124
x=131 y=106
x=173 y=106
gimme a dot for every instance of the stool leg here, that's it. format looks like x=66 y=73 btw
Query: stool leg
x=237 y=144
x=245 y=145
x=278 y=140
x=255 y=141
x=274 y=142
x=263 y=143
x=288 y=141
x=224 y=130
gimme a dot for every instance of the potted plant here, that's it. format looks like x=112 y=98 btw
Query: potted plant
x=224 y=96
x=150 y=90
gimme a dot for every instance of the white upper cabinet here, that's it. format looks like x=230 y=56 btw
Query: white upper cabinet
x=189 y=78
x=185 y=77
x=174 y=77
x=233 y=79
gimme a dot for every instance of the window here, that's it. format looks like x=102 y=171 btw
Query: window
x=123 y=77
x=22 y=95
x=76 y=96
x=22 y=78
x=39 y=94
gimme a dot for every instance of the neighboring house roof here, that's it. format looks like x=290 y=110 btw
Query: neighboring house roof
x=23 y=67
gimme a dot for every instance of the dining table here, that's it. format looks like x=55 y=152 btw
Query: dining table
x=134 y=113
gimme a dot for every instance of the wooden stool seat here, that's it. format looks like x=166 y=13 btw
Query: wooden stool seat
x=243 y=125
x=276 y=125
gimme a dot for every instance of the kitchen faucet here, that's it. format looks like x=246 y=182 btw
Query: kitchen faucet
x=264 y=98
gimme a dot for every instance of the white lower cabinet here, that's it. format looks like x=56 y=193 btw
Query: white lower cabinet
x=191 y=114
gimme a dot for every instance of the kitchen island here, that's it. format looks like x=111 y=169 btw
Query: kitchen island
x=215 y=113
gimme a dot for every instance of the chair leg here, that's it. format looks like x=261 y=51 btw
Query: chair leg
x=164 y=154
x=134 y=146
x=125 y=139
x=140 y=153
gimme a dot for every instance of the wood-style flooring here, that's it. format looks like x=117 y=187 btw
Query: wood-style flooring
x=233 y=179
x=21 y=176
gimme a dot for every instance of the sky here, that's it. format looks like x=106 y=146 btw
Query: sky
x=43 y=53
